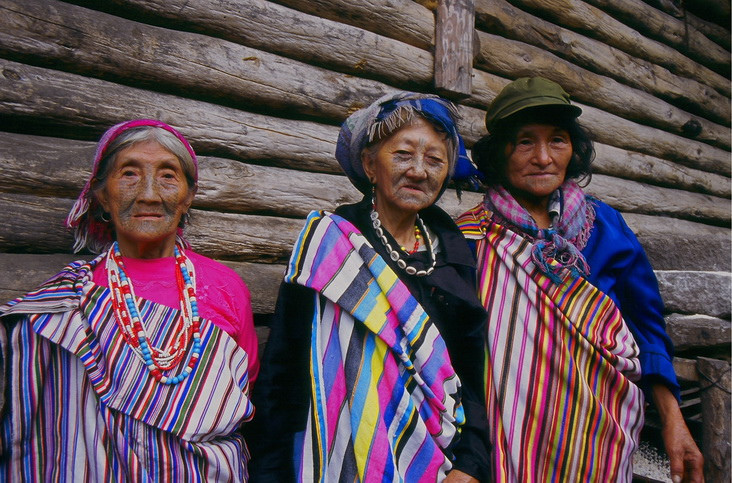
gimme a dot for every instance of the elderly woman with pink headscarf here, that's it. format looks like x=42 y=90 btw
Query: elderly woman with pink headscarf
x=137 y=364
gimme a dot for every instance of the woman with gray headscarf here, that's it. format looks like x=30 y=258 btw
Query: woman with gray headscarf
x=373 y=368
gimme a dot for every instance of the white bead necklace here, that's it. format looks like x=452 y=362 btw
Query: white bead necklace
x=394 y=254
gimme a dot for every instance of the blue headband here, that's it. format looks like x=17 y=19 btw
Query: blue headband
x=361 y=126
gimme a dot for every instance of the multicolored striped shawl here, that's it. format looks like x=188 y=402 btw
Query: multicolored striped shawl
x=83 y=408
x=385 y=402
x=559 y=368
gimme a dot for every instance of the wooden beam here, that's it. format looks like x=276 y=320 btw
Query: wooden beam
x=695 y=292
x=614 y=130
x=515 y=59
x=60 y=103
x=656 y=232
x=403 y=20
x=674 y=32
x=265 y=25
x=501 y=18
x=715 y=401
x=635 y=197
x=696 y=332
x=686 y=369
x=593 y=22
x=619 y=163
x=97 y=44
x=454 y=25
x=711 y=30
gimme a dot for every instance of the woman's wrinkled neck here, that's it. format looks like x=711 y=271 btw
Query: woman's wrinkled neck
x=400 y=224
x=157 y=249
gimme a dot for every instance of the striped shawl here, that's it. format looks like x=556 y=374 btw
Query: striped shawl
x=385 y=402
x=82 y=407
x=560 y=366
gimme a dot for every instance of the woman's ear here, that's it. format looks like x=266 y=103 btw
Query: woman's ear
x=369 y=165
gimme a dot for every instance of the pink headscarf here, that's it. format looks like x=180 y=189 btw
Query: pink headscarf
x=79 y=218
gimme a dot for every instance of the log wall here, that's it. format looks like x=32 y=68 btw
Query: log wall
x=260 y=87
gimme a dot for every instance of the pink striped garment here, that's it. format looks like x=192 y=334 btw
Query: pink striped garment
x=560 y=368
x=83 y=408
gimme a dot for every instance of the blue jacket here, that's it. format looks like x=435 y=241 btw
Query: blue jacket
x=619 y=267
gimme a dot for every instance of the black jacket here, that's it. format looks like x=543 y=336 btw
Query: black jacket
x=448 y=295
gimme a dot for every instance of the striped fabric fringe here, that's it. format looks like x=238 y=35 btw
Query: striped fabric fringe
x=560 y=366
x=83 y=407
x=385 y=398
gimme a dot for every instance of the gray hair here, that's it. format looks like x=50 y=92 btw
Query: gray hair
x=142 y=134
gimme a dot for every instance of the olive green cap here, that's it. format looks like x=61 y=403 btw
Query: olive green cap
x=528 y=92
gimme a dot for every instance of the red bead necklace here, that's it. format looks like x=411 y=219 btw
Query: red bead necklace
x=129 y=320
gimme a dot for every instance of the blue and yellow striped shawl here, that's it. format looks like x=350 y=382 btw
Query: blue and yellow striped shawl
x=385 y=400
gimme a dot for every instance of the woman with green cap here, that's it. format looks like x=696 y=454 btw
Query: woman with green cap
x=575 y=334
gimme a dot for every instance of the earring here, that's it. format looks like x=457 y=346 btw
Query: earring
x=105 y=220
x=185 y=219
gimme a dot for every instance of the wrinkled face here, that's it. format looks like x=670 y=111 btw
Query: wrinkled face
x=146 y=194
x=537 y=162
x=408 y=168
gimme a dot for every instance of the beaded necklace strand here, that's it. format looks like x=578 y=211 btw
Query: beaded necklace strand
x=129 y=321
x=394 y=254
x=417 y=237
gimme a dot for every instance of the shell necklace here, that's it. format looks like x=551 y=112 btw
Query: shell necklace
x=394 y=254
x=129 y=320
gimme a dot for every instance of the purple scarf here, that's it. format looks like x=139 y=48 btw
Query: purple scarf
x=561 y=242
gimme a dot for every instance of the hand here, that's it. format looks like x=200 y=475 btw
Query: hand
x=457 y=476
x=687 y=463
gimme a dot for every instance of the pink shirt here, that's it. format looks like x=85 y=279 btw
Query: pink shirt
x=222 y=296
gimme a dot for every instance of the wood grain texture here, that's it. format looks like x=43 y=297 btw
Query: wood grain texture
x=61 y=102
x=695 y=292
x=696 y=332
x=403 y=20
x=686 y=369
x=593 y=22
x=673 y=244
x=264 y=79
x=624 y=164
x=454 y=26
x=97 y=44
x=501 y=18
x=716 y=383
x=281 y=30
x=516 y=59
x=634 y=197
x=682 y=36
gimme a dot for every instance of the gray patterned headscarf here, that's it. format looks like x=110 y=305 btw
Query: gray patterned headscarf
x=381 y=118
